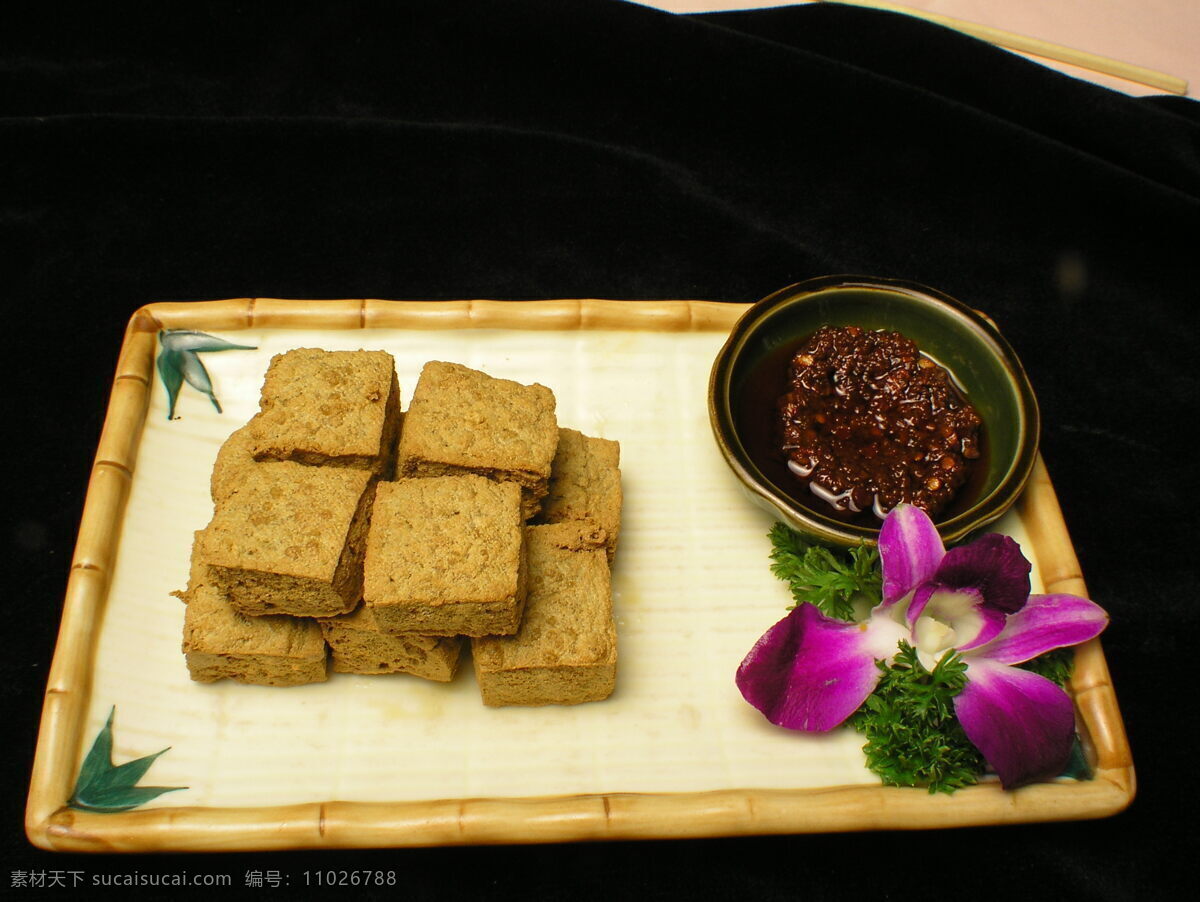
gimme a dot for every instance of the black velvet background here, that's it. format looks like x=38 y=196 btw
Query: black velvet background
x=544 y=149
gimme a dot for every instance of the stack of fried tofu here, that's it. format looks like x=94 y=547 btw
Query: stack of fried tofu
x=339 y=535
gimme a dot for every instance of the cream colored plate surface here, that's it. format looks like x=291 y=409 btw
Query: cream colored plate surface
x=692 y=592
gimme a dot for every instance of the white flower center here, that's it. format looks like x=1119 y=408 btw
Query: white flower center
x=950 y=618
x=933 y=636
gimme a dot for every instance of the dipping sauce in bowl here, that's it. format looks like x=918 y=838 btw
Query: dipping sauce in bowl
x=910 y=396
x=868 y=422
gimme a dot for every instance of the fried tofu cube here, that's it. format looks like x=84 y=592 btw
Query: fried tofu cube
x=464 y=421
x=357 y=644
x=585 y=485
x=445 y=557
x=289 y=540
x=219 y=643
x=321 y=408
x=565 y=652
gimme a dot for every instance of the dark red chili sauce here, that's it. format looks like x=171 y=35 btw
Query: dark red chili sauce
x=868 y=422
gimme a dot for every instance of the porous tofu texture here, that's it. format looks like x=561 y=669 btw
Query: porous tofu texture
x=328 y=408
x=585 y=484
x=289 y=539
x=321 y=407
x=234 y=456
x=358 y=645
x=565 y=652
x=219 y=643
x=445 y=557
x=464 y=421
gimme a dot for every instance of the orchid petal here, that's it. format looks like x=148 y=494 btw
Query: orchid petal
x=1045 y=623
x=910 y=550
x=810 y=672
x=1022 y=723
x=994 y=566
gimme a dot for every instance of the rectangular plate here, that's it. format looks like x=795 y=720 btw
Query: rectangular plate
x=364 y=761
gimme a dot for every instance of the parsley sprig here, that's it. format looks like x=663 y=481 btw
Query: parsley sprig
x=818 y=576
x=913 y=737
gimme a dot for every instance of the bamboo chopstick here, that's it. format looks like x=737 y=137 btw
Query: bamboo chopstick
x=1045 y=49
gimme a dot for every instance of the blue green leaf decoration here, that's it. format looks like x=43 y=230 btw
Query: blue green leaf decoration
x=103 y=786
x=177 y=362
x=172 y=378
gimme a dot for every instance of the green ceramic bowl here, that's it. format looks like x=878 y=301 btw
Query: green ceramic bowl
x=751 y=370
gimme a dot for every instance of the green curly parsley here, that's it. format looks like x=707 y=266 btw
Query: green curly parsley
x=820 y=577
x=913 y=737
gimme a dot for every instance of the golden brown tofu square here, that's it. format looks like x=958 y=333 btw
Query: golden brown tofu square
x=357 y=644
x=219 y=643
x=565 y=652
x=585 y=485
x=464 y=421
x=289 y=539
x=326 y=408
x=445 y=557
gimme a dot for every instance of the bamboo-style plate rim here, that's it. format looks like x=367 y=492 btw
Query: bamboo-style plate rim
x=50 y=824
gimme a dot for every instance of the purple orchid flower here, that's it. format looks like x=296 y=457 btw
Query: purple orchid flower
x=810 y=672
